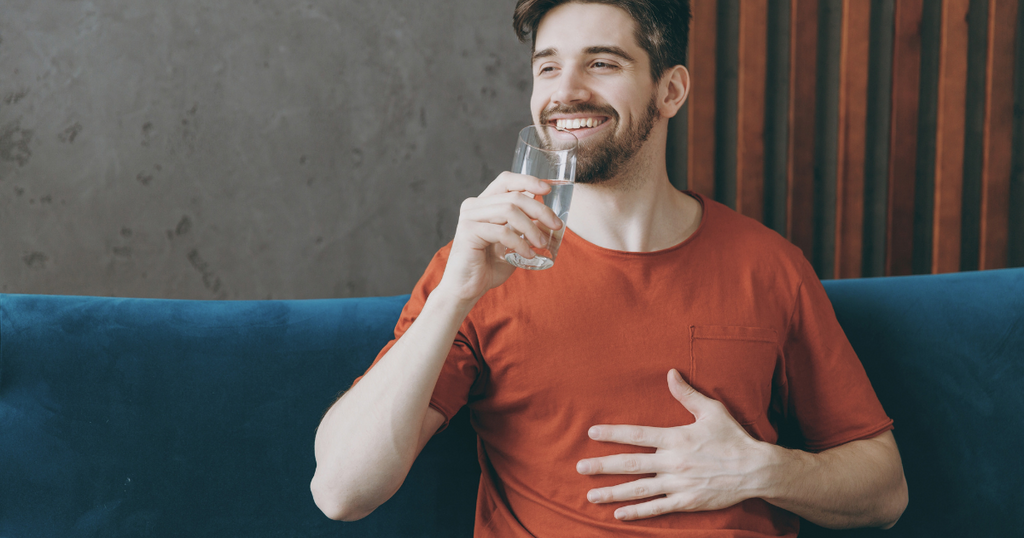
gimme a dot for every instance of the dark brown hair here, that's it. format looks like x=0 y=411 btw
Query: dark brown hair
x=662 y=26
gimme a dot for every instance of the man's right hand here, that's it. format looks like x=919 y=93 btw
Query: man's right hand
x=476 y=263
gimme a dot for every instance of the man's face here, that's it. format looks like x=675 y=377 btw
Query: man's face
x=588 y=68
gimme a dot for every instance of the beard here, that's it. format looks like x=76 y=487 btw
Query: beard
x=603 y=158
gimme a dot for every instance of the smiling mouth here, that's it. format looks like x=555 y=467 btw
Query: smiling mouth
x=577 y=123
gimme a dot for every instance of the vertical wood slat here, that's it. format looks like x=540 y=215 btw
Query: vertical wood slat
x=997 y=159
x=1015 y=234
x=803 y=53
x=853 y=93
x=949 y=137
x=701 y=109
x=906 y=81
x=753 y=46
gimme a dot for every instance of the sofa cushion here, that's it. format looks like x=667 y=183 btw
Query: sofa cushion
x=130 y=417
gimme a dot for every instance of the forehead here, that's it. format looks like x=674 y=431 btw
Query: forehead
x=572 y=27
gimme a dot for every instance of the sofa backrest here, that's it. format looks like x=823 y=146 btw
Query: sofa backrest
x=945 y=354
x=132 y=417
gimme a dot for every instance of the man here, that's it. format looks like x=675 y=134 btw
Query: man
x=565 y=369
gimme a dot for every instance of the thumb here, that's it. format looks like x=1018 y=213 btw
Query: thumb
x=694 y=402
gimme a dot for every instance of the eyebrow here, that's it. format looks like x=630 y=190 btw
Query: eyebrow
x=600 y=49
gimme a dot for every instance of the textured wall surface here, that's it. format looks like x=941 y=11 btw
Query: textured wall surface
x=246 y=150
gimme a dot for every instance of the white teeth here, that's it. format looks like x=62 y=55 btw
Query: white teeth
x=578 y=123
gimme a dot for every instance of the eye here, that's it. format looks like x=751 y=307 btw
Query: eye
x=546 y=70
x=603 y=65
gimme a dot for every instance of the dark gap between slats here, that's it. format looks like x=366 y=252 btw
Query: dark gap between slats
x=924 y=184
x=776 y=132
x=726 y=101
x=974 y=133
x=678 y=145
x=876 y=159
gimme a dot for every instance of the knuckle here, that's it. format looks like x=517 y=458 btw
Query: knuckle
x=688 y=503
x=641 y=491
x=637 y=435
x=631 y=464
x=467 y=204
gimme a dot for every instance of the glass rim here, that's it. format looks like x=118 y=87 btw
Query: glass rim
x=535 y=127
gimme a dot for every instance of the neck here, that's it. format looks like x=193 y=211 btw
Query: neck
x=639 y=210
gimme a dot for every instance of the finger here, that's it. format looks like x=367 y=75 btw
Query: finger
x=620 y=464
x=494 y=234
x=630 y=491
x=508 y=203
x=509 y=213
x=628 y=435
x=509 y=182
x=656 y=507
x=692 y=400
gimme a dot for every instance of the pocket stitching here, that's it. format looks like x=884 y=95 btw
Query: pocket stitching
x=765 y=339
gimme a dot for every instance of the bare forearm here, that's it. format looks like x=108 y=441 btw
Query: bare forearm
x=859 y=484
x=368 y=440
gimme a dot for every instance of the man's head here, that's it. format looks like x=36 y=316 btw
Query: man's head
x=614 y=66
x=662 y=27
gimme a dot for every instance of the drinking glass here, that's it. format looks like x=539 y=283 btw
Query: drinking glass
x=548 y=155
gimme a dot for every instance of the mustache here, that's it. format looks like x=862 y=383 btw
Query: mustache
x=581 y=108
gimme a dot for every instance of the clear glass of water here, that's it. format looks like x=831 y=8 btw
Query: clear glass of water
x=549 y=155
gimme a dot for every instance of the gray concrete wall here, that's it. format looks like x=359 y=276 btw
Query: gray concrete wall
x=246 y=150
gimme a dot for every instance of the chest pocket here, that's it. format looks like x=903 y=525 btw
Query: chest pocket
x=734 y=365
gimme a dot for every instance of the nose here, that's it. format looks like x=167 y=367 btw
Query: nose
x=572 y=87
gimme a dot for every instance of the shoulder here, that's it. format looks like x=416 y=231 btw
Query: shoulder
x=747 y=236
x=753 y=253
x=432 y=275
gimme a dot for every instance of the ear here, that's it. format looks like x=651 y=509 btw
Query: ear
x=673 y=89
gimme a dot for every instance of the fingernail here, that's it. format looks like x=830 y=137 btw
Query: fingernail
x=583 y=468
x=593 y=432
x=592 y=496
x=619 y=514
x=677 y=375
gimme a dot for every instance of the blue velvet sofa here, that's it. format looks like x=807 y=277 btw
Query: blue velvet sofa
x=138 y=417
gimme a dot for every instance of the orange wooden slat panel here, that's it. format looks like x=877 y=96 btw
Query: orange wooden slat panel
x=949 y=137
x=853 y=95
x=803 y=78
x=703 y=46
x=753 y=60
x=906 y=87
x=998 y=153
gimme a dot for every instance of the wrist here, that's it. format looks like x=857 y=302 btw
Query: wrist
x=777 y=467
x=447 y=300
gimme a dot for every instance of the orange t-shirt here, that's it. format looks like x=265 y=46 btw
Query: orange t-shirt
x=548 y=354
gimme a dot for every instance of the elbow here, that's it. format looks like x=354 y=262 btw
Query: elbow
x=334 y=503
x=897 y=504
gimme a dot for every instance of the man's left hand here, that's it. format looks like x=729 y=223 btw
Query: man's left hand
x=708 y=465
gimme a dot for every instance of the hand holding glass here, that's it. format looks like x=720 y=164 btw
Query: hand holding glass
x=554 y=162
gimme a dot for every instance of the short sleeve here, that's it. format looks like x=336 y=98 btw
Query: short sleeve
x=829 y=395
x=462 y=367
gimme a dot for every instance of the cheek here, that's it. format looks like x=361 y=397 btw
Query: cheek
x=537 y=104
